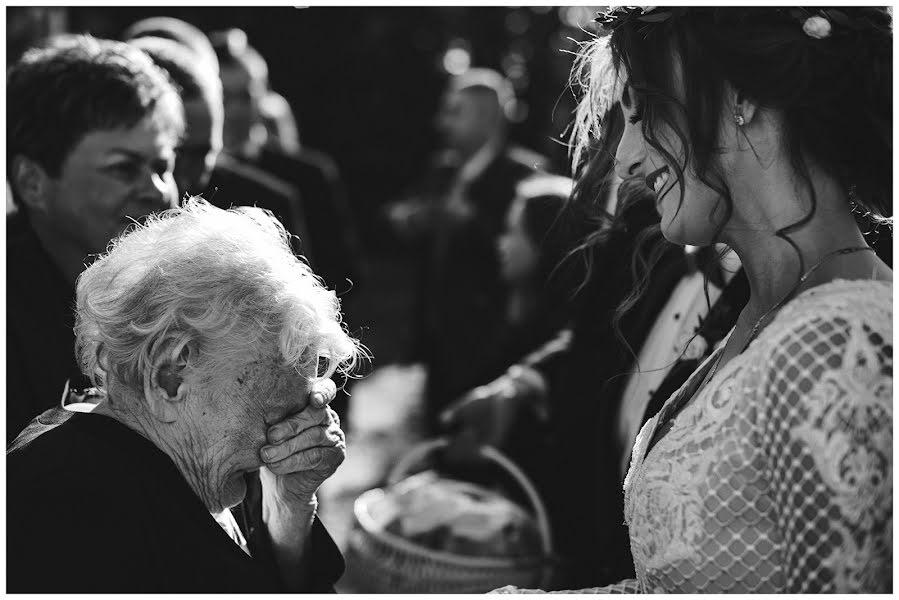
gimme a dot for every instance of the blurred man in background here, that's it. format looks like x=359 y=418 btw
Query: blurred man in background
x=201 y=95
x=454 y=219
x=91 y=137
x=249 y=103
x=186 y=54
x=202 y=166
x=179 y=31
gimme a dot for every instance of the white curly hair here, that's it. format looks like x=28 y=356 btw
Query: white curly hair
x=224 y=281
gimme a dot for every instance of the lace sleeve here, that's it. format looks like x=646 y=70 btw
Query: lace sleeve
x=827 y=433
x=628 y=586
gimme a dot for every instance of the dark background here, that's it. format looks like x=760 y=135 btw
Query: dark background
x=364 y=84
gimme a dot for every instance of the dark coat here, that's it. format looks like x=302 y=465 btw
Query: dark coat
x=236 y=183
x=40 y=339
x=330 y=223
x=581 y=477
x=95 y=507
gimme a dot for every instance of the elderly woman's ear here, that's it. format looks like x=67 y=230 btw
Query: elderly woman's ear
x=164 y=386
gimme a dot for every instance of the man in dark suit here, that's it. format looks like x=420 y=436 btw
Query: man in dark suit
x=90 y=147
x=454 y=220
x=201 y=167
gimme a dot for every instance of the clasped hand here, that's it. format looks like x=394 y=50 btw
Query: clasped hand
x=304 y=449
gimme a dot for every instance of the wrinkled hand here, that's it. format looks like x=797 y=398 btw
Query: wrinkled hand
x=304 y=449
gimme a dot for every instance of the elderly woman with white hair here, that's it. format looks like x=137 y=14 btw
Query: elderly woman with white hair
x=193 y=466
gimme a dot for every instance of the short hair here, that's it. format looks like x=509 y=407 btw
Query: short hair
x=232 y=47
x=178 y=31
x=76 y=84
x=226 y=282
x=193 y=78
x=544 y=184
x=481 y=79
x=557 y=234
x=543 y=198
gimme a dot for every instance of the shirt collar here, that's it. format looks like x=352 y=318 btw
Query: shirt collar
x=480 y=160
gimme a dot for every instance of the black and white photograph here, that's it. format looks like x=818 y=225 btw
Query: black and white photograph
x=449 y=299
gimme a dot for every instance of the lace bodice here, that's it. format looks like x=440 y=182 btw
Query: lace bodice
x=777 y=477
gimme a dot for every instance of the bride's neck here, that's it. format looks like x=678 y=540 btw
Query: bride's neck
x=775 y=264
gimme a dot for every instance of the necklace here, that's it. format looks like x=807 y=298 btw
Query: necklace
x=787 y=296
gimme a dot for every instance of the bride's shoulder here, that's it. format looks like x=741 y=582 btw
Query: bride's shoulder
x=866 y=299
x=828 y=317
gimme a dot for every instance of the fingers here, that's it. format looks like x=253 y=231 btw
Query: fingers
x=322 y=393
x=310 y=438
x=319 y=458
x=311 y=428
x=293 y=425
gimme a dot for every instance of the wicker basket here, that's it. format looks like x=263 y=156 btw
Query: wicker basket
x=379 y=561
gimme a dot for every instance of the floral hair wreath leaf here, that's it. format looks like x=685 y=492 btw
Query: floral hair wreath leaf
x=654 y=17
x=817 y=23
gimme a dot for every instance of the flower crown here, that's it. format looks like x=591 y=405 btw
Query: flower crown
x=817 y=23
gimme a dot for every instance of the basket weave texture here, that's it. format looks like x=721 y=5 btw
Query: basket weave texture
x=381 y=562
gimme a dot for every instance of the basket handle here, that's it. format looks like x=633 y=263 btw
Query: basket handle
x=414 y=456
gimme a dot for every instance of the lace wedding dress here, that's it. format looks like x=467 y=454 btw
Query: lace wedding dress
x=777 y=476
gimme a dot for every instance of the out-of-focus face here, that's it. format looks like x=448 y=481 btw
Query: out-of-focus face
x=242 y=96
x=199 y=148
x=109 y=178
x=518 y=254
x=468 y=118
x=688 y=218
x=229 y=424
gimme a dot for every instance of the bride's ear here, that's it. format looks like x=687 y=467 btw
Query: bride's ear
x=744 y=109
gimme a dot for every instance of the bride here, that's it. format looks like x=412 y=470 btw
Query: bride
x=770 y=470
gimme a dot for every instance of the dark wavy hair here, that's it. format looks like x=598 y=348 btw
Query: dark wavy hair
x=74 y=85
x=594 y=172
x=193 y=79
x=835 y=91
x=178 y=31
x=556 y=233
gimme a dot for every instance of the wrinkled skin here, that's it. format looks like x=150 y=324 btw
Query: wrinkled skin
x=264 y=405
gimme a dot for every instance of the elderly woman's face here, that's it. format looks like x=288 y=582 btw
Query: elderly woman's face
x=231 y=425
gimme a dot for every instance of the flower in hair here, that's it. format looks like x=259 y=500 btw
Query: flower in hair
x=817 y=27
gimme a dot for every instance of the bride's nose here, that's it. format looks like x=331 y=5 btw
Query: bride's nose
x=631 y=152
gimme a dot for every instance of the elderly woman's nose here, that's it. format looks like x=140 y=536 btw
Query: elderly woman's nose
x=631 y=152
